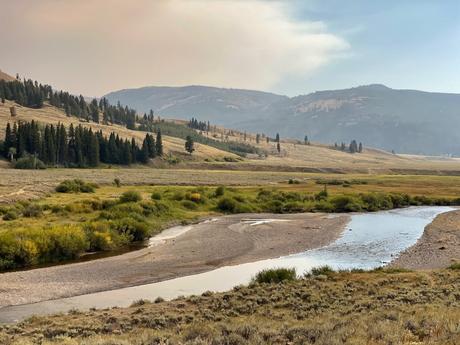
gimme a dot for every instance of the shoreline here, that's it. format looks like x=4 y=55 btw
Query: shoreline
x=439 y=246
x=229 y=240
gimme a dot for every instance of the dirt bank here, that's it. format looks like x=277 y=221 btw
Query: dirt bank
x=439 y=246
x=227 y=240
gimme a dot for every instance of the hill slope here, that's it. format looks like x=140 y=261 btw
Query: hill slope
x=223 y=106
x=402 y=120
x=4 y=76
x=50 y=114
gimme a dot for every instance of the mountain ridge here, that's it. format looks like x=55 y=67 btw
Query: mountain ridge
x=404 y=120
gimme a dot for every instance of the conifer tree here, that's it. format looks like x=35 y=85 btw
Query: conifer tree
x=159 y=144
x=144 y=153
x=189 y=144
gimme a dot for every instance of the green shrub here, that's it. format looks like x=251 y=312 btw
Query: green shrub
x=322 y=270
x=323 y=195
x=220 y=191
x=178 y=196
x=345 y=203
x=10 y=215
x=130 y=196
x=29 y=162
x=275 y=275
x=455 y=266
x=132 y=228
x=117 y=182
x=226 y=205
x=32 y=210
x=156 y=196
x=189 y=204
x=75 y=186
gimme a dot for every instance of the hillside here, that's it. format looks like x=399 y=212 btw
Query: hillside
x=406 y=121
x=223 y=106
x=53 y=115
x=4 y=76
x=294 y=155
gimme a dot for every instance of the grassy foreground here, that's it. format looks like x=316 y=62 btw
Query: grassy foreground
x=82 y=218
x=380 y=307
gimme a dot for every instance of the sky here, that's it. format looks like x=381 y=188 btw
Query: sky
x=292 y=47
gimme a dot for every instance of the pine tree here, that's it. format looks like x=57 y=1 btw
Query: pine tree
x=189 y=144
x=63 y=146
x=305 y=140
x=277 y=138
x=258 y=138
x=278 y=147
x=353 y=148
x=360 y=147
x=159 y=144
x=9 y=140
x=93 y=152
x=144 y=153
x=94 y=109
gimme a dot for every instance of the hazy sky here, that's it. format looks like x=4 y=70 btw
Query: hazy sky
x=290 y=47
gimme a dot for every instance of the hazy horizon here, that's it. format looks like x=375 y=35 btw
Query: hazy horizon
x=285 y=47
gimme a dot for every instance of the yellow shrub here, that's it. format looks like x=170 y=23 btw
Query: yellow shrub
x=195 y=197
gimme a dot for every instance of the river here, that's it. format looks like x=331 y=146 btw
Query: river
x=369 y=240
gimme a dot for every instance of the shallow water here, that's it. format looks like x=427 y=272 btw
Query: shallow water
x=369 y=240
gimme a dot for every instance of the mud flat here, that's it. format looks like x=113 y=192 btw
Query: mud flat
x=223 y=241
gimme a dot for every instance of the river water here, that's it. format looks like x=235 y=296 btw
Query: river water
x=369 y=240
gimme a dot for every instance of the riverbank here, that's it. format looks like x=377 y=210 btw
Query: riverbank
x=228 y=240
x=340 y=308
x=439 y=246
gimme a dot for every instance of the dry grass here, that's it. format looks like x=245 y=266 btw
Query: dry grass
x=34 y=184
x=50 y=114
x=340 y=308
x=293 y=155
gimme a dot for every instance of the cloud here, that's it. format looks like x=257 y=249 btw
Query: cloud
x=94 y=47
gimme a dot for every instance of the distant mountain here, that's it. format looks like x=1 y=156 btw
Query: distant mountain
x=223 y=106
x=4 y=76
x=406 y=121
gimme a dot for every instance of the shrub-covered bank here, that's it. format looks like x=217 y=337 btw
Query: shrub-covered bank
x=82 y=218
x=380 y=307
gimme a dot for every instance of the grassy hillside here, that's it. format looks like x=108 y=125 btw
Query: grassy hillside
x=380 y=307
x=294 y=155
x=4 y=76
x=50 y=114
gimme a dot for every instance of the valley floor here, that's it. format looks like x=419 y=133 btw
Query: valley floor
x=226 y=241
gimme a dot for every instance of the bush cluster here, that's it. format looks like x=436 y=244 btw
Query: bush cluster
x=275 y=275
x=75 y=186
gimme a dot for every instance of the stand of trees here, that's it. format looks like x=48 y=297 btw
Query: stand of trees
x=200 y=125
x=354 y=147
x=74 y=146
x=32 y=94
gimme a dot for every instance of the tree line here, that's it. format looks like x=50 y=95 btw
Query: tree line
x=33 y=95
x=353 y=147
x=56 y=145
x=199 y=125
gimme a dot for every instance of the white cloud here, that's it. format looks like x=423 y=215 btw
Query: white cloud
x=94 y=47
